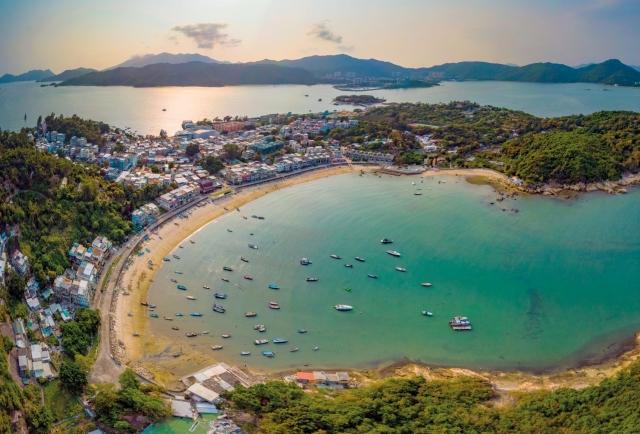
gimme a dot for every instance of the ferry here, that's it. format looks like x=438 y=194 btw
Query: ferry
x=274 y=287
x=154 y=315
x=144 y=303
x=179 y=314
x=268 y=353
x=280 y=341
x=192 y=334
x=174 y=280
x=302 y=330
x=250 y=314
x=226 y=336
x=216 y=347
x=426 y=284
x=221 y=295
x=427 y=313
x=193 y=314
x=342 y=307
x=218 y=308
x=168 y=318
x=460 y=323
x=190 y=297
x=312 y=279
x=373 y=276
x=243 y=259
x=176 y=256
x=293 y=350
x=386 y=241
x=227 y=268
x=305 y=261
x=336 y=257
x=348 y=265
x=248 y=277
x=260 y=341
x=182 y=287
x=175 y=328
x=166 y=259
x=393 y=253
x=253 y=246
x=358 y=258
x=401 y=269
x=245 y=353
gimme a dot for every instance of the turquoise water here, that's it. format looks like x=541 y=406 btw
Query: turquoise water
x=545 y=288
x=141 y=109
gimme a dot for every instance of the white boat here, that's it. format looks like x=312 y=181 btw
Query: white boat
x=426 y=284
x=401 y=269
x=426 y=313
x=343 y=307
x=393 y=253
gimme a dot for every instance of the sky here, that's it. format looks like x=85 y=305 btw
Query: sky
x=67 y=34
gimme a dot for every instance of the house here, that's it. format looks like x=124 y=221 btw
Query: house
x=22 y=361
x=305 y=377
x=320 y=377
x=202 y=393
x=145 y=215
x=20 y=262
x=178 y=197
x=100 y=248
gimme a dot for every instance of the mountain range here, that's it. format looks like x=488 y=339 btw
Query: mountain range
x=150 y=59
x=36 y=74
x=66 y=75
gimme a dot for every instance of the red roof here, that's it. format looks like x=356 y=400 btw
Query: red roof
x=305 y=376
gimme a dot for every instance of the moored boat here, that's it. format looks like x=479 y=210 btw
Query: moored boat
x=401 y=269
x=192 y=242
x=273 y=305
x=191 y=334
x=190 y=297
x=312 y=279
x=393 y=253
x=194 y=314
x=226 y=336
x=168 y=318
x=243 y=259
x=274 y=287
x=302 y=330
x=175 y=328
x=206 y=286
x=179 y=314
x=253 y=246
x=346 y=288
x=221 y=295
x=248 y=277
x=182 y=287
x=206 y=332
x=216 y=347
x=386 y=241
x=174 y=280
x=348 y=265
x=152 y=306
x=358 y=258
x=268 y=353
x=245 y=353
x=427 y=313
x=250 y=314
x=280 y=341
x=293 y=350
x=144 y=303
x=225 y=279
x=460 y=323
x=136 y=334
x=343 y=307
x=154 y=315
x=166 y=259
x=176 y=256
x=229 y=230
x=227 y=268
x=218 y=308
x=261 y=341
x=178 y=272
x=305 y=261
x=336 y=257
x=426 y=284
x=373 y=276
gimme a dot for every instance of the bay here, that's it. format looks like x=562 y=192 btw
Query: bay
x=545 y=288
x=141 y=109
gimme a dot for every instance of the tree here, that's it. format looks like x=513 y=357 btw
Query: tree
x=83 y=362
x=39 y=419
x=163 y=134
x=16 y=285
x=106 y=403
x=74 y=339
x=212 y=164
x=7 y=343
x=192 y=149
x=129 y=380
x=72 y=377
x=154 y=168
x=123 y=426
x=232 y=151
x=118 y=148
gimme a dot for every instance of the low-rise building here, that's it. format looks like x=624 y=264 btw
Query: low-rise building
x=178 y=197
x=20 y=262
x=145 y=215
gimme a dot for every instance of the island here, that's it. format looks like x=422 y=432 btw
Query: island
x=358 y=99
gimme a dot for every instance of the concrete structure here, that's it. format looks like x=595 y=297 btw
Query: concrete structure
x=20 y=262
x=145 y=215
x=178 y=197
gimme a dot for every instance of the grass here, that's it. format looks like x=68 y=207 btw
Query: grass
x=108 y=275
x=95 y=346
x=220 y=192
x=62 y=404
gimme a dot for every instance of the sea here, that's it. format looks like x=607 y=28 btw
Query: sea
x=142 y=109
x=549 y=287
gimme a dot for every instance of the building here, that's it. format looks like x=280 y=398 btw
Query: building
x=208 y=185
x=145 y=215
x=20 y=262
x=178 y=197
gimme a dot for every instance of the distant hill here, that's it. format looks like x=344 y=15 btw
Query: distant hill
x=69 y=73
x=582 y=65
x=36 y=74
x=636 y=67
x=150 y=59
x=194 y=74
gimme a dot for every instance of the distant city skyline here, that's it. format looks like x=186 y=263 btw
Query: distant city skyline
x=68 y=34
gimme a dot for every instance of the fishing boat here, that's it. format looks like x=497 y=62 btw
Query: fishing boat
x=393 y=253
x=168 y=318
x=305 y=261
x=358 y=258
x=227 y=268
x=218 y=308
x=336 y=257
x=144 y=303
x=176 y=256
x=261 y=341
x=175 y=328
x=460 y=323
x=206 y=332
x=373 y=276
x=243 y=259
x=268 y=353
x=426 y=284
x=348 y=265
x=245 y=353
x=250 y=314
x=342 y=307
x=248 y=277
x=386 y=241
x=426 y=313
x=216 y=347
x=191 y=334
x=221 y=295
x=274 y=287
x=225 y=279
x=179 y=314
x=178 y=272
x=312 y=279
x=346 y=288
x=280 y=341
x=174 y=280
x=154 y=315
x=206 y=286
x=274 y=306
x=166 y=259
x=253 y=246
x=182 y=287
x=195 y=314
x=226 y=336
x=293 y=350
x=302 y=330
x=258 y=326
x=401 y=269
x=190 y=297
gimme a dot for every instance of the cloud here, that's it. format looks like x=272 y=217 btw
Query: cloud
x=172 y=38
x=346 y=48
x=321 y=31
x=207 y=35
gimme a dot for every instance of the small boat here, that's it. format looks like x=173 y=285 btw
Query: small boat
x=320 y=99
x=373 y=276
x=218 y=308
x=191 y=334
x=195 y=314
x=261 y=341
x=178 y=354
x=418 y=193
x=154 y=315
x=342 y=307
x=253 y=246
x=129 y=314
x=258 y=326
x=182 y=287
x=250 y=314
x=190 y=297
x=136 y=334
x=293 y=350
x=305 y=261
x=243 y=259
x=244 y=217
x=280 y=341
x=226 y=336
x=192 y=242
x=206 y=332
x=401 y=269
x=268 y=353
x=460 y=323
x=426 y=284
x=225 y=279
x=302 y=330
x=346 y=288
x=254 y=216
x=147 y=250
x=393 y=253
x=358 y=258
x=152 y=306
x=178 y=272
x=245 y=353
x=179 y=314
x=216 y=347
x=175 y=328
x=150 y=262
x=227 y=268
x=315 y=348
x=386 y=241
x=274 y=306
x=166 y=259
x=229 y=230
x=336 y=257
x=174 y=280
x=312 y=279
x=168 y=318
x=426 y=313
x=248 y=277
x=144 y=303
x=274 y=287
x=181 y=246
x=220 y=295
x=164 y=110
x=348 y=265
x=206 y=287
x=176 y=256
x=260 y=218
x=413 y=183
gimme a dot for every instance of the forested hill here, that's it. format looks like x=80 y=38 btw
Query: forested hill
x=194 y=74
x=36 y=74
x=69 y=73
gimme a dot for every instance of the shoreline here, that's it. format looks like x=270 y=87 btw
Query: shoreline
x=155 y=353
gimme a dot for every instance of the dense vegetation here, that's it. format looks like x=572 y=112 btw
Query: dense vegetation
x=69 y=73
x=462 y=405
x=358 y=99
x=76 y=126
x=77 y=334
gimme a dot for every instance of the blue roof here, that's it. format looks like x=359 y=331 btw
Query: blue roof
x=206 y=408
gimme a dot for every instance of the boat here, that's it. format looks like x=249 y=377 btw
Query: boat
x=253 y=246
x=175 y=328
x=150 y=262
x=254 y=216
x=129 y=314
x=168 y=318
x=293 y=350
x=227 y=268
x=348 y=265
x=274 y=287
x=248 y=277
x=274 y=306
x=192 y=242
x=243 y=259
x=336 y=257
x=413 y=183
x=393 y=253
x=426 y=284
x=152 y=306
x=418 y=193
x=258 y=326
x=190 y=297
x=136 y=334
x=358 y=258
x=176 y=256
x=312 y=279
x=373 y=276
x=460 y=323
x=305 y=261
x=182 y=287
x=302 y=330
x=244 y=217
x=225 y=279
x=342 y=307
x=147 y=250
x=180 y=246
x=178 y=354
x=401 y=269
x=206 y=332
x=154 y=315
x=144 y=303
x=179 y=314
x=229 y=230
x=178 y=272
x=218 y=308
x=268 y=353
x=250 y=314
x=195 y=314
x=319 y=99
x=260 y=341
x=206 y=287
x=164 y=110
x=191 y=334
x=221 y=295
x=346 y=288
x=280 y=341
x=426 y=313
x=216 y=347
x=260 y=218
x=226 y=336
x=166 y=259
x=386 y=241
x=245 y=353
x=315 y=348
x=174 y=280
